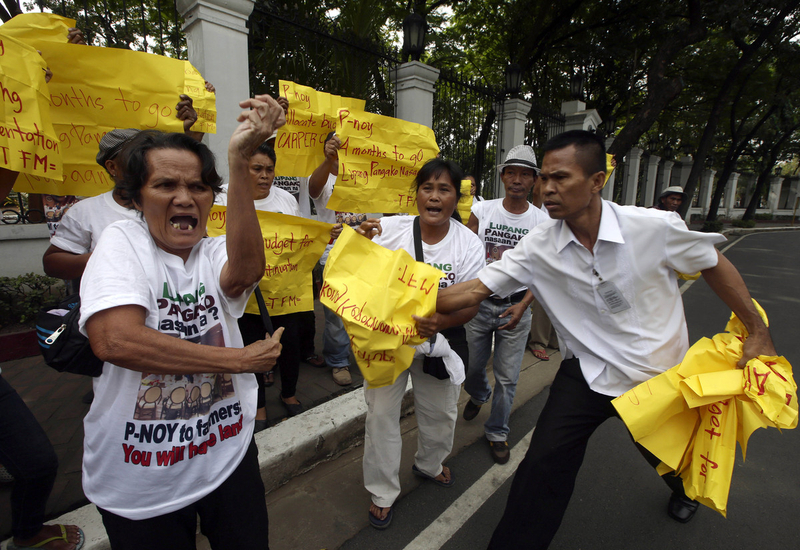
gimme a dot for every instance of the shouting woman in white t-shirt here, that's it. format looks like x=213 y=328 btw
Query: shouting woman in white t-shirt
x=451 y=247
x=169 y=435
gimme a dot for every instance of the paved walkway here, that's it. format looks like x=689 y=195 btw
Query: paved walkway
x=55 y=400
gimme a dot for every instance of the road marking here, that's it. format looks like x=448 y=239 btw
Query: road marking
x=685 y=286
x=458 y=513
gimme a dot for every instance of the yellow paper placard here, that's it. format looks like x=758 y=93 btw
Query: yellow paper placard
x=378 y=160
x=692 y=415
x=312 y=116
x=375 y=291
x=28 y=142
x=464 y=206
x=292 y=247
x=203 y=101
x=88 y=98
x=40 y=27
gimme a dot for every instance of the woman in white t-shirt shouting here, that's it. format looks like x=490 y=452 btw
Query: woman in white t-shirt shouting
x=169 y=435
x=448 y=245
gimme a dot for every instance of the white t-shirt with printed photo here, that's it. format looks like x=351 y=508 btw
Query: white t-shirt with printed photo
x=459 y=255
x=80 y=228
x=155 y=443
x=278 y=201
x=500 y=230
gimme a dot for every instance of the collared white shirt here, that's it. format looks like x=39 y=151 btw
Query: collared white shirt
x=638 y=250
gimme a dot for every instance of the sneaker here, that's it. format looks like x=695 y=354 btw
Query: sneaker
x=500 y=451
x=471 y=410
x=341 y=375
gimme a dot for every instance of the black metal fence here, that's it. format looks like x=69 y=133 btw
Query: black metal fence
x=153 y=27
x=287 y=46
x=542 y=124
x=465 y=121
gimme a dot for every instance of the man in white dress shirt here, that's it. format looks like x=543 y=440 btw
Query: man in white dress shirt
x=605 y=274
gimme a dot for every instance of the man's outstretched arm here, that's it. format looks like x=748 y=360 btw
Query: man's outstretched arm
x=462 y=295
x=727 y=283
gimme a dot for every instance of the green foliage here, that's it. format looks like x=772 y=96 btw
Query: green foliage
x=764 y=217
x=22 y=297
x=712 y=227
x=747 y=224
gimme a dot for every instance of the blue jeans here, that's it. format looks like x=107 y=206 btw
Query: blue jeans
x=335 y=341
x=28 y=455
x=509 y=347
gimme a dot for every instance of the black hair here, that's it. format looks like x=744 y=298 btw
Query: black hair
x=591 y=149
x=266 y=149
x=136 y=170
x=435 y=168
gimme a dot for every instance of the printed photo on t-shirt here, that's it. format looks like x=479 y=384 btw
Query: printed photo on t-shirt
x=495 y=251
x=351 y=219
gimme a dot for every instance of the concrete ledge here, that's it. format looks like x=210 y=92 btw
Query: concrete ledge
x=739 y=231
x=24 y=231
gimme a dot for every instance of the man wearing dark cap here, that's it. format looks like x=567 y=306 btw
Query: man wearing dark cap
x=671 y=199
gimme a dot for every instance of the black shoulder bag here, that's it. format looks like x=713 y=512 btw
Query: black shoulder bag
x=456 y=336
x=63 y=346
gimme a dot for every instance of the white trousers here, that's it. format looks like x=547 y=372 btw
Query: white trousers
x=436 y=407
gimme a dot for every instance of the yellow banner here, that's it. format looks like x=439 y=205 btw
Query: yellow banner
x=378 y=160
x=464 y=206
x=203 y=101
x=89 y=96
x=692 y=415
x=375 y=291
x=312 y=116
x=28 y=141
x=292 y=247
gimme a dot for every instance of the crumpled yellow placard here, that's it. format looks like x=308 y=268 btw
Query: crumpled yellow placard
x=378 y=160
x=28 y=142
x=692 y=415
x=203 y=101
x=464 y=206
x=292 y=247
x=89 y=97
x=312 y=116
x=375 y=291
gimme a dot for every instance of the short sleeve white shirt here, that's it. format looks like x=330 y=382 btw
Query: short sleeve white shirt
x=83 y=224
x=638 y=250
x=458 y=255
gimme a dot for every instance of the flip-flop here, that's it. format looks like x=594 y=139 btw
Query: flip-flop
x=540 y=354
x=63 y=537
x=269 y=378
x=379 y=523
x=447 y=484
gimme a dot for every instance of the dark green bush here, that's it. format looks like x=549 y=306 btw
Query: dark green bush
x=712 y=227
x=22 y=297
x=744 y=223
x=764 y=217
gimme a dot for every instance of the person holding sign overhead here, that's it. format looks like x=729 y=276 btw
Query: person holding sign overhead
x=336 y=344
x=449 y=246
x=169 y=435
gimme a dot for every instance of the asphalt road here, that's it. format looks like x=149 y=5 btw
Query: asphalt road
x=619 y=502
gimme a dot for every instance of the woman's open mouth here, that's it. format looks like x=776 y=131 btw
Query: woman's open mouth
x=184 y=223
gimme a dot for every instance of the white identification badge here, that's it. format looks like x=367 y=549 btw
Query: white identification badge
x=613 y=298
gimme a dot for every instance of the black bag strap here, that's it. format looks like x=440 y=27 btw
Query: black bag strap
x=418 y=240
x=420 y=256
x=262 y=307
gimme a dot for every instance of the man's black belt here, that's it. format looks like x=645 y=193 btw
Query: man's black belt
x=513 y=299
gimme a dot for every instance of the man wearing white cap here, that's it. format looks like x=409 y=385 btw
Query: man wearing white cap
x=671 y=199
x=500 y=224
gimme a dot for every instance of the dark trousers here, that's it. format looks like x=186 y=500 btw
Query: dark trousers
x=308 y=332
x=28 y=455
x=252 y=328
x=546 y=476
x=233 y=517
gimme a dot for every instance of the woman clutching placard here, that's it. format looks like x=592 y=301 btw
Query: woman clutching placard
x=169 y=435
x=446 y=242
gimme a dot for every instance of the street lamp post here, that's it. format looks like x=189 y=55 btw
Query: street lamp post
x=414 y=28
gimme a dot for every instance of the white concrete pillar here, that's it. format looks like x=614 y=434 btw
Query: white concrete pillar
x=706 y=185
x=578 y=117
x=683 y=172
x=794 y=191
x=774 y=193
x=513 y=113
x=414 y=85
x=648 y=197
x=665 y=177
x=748 y=181
x=729 y=200
x=216 y=36
x=608 y=191
x=630 y=186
